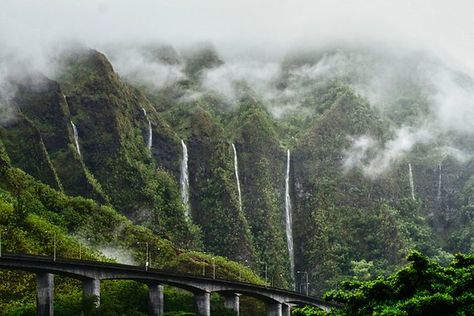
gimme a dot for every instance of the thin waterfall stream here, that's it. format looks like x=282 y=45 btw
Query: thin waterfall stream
x=76 y=137
x=438 y=196
x=150 y=131
x=288 y=217
x=412 y=182
x=236 y=171
x=184 y=180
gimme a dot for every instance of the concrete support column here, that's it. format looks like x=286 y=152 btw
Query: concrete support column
x=274 y=309
x=91 y=288
x=232 y=301
x=156 y=299
x=203 y=303
x=44 y=294
x=285 y=310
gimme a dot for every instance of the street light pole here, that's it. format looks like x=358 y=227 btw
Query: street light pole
x=266 y=272
x=54 y=246
x=0 y=243
x=147 y=256
x=54 y=243
x=307 y=281
x=213 y=268
x=80 y=247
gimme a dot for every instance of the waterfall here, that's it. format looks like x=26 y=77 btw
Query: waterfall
x=412 y=183
x=236 y=170
x=438 y=196
x=76 y=138
x=289 y=221
x=185 y=179
x=150 y=132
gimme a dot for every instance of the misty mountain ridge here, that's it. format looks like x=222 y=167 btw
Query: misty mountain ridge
x=381 y=151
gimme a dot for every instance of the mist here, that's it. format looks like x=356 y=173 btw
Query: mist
x=426 y=44
x=245 y=27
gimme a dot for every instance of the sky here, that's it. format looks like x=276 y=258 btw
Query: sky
x=252 y=37
x=265 y=27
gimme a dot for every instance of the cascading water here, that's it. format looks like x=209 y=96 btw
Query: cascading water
x=150 y=132
x=185 y=179
x=412 y=183
x=76 y=137
x=438 y=196
x=289 y=221
x=236 y=170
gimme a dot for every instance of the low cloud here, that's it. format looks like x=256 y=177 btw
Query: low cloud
x=139 y=67
x=119 y=254
x=375 y=158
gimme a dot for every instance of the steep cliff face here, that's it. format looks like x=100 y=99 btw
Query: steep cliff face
x=340 y=216
x=343 y=218
x=214 y=197
x=26 y=148
x=111 y=126
x=262 y=169
x=43 y=103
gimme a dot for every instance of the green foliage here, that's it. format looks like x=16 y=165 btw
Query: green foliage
x=346 y=224
x=262 y=164
x=308 y=311
x=424 y=287
x=32 y=215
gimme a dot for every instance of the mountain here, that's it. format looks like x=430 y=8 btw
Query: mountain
x=364 y=131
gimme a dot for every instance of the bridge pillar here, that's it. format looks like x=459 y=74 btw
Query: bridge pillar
x=232 y=301
x=44 y=294
x=91 y=288
x=203 y=303
x=274 y=309
x=285 y=310
x=156 y=299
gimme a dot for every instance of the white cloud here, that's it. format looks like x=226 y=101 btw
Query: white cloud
x=138 y=68
x=267 y=26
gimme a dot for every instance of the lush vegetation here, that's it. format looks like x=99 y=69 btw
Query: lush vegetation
x=423 y=287
x=33 y=214
x=117 y=192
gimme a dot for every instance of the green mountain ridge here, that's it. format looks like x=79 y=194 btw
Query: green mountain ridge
x=342 y=219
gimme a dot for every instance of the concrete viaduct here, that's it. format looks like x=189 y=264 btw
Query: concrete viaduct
x=278 y=301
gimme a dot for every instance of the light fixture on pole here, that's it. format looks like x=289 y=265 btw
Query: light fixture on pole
x=266 y=272
x=54 y=244
x=80 y=248
x=307 y=280
x=213 y=268
x=147 y=256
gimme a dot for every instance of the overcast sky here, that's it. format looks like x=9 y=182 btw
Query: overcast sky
x=272 y=26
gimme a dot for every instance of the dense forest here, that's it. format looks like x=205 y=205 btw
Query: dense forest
x=334 y=167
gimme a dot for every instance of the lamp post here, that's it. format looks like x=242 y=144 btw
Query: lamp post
x=307 y=280
x=266 y=272
x=147 y=257
x=0 y=242
x=80 y=248
x=213 y=268
x=54 y=244
x=246 y=262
